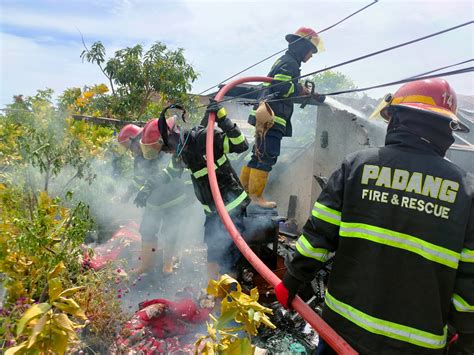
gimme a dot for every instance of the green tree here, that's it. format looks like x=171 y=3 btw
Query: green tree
x=136 y=76
x=330 y=81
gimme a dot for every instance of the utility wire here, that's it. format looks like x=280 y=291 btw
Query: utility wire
x=402 y=81
x=415 y=78
x=274 y=54
x=446 y=67
x=350 y=61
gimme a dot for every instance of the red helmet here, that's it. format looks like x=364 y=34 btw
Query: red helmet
x=151 y=141
x=432 y=96
x=310 y=35
x=126 y=135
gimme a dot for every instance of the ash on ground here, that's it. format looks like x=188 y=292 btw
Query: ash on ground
x=291 y=336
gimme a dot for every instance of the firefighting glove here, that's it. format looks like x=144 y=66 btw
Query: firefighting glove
x=223 y=122
x=464 y=345
x=286 y=290
x=142 y=196
x=216 y=107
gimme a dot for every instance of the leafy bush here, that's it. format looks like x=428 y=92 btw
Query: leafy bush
x=224 y=338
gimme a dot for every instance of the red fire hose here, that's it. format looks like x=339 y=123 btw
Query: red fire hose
x=323 y=329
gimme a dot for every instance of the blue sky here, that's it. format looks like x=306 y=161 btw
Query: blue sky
x=40 y=42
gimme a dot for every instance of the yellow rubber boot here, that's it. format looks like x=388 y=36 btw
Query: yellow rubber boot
x=244 y=177
x=257 y=182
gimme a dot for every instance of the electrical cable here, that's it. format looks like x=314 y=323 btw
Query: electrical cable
x=446 y=67
x=349 y=61
x=274 y=54
x=413 y=78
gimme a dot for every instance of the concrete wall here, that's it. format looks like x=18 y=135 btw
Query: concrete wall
x=347 y=131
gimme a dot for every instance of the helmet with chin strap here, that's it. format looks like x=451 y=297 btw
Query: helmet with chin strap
x=435 y=97
x=155 y=132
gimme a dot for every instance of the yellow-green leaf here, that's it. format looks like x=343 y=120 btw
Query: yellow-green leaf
x=60 y=343
x=63 y=322
x=71 y=291
x=55 y=289
x=225 y=318
x=38 y=328
x=240 y=346
x=57 y=269
x=32 y=312
x=70 y=306
x=16 y=349
x=254 y=294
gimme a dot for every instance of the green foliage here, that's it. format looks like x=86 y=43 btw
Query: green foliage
x=40 y=313
x=135 y=76
x=39 y=251
x=330 y=81
x=223 y=338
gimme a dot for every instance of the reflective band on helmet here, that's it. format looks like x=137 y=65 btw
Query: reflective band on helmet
x=467 y=256
x=203 y=171
x=461 y=305
x=168 y=204
x=282 y=77
x=326 y=214
x=387 y=328
x=231 y=205
x=407 y=242
x=415 y=99
x=304 y=248
x=237 y=140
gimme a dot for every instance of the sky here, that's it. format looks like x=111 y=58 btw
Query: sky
x=40 y=40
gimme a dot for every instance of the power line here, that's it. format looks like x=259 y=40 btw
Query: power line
x=402 y=81
x=446 y=67
x=350 y=61
x=274 y=54
x=414 y=78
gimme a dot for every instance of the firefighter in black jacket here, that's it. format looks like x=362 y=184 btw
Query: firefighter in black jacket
x=401 y=220
x=302 y=45
x=189 y=150
x=159 y=203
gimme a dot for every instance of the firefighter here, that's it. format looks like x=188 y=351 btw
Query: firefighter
x=302 y=45
x=401 y=220
x=157 y=202
x=188 y=147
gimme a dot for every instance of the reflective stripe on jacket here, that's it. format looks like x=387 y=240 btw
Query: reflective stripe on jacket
x=283 y=71
x=194 y=158
x=401 y=220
